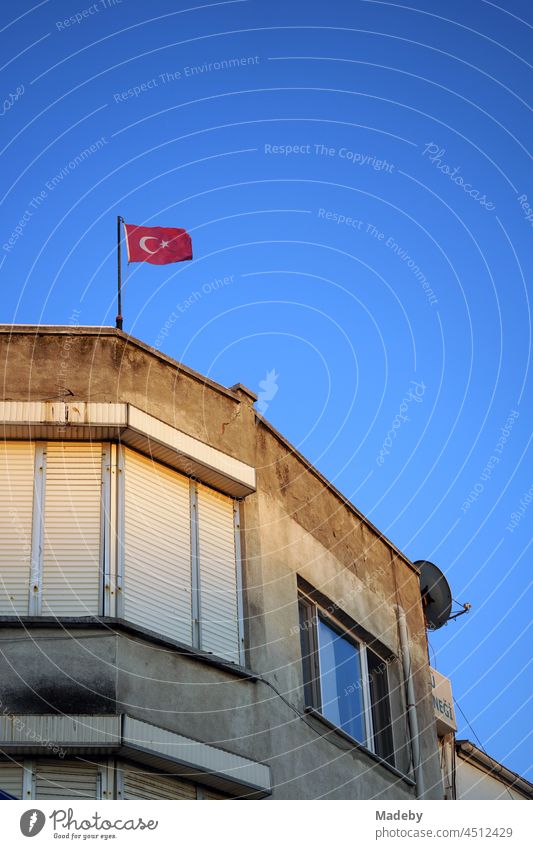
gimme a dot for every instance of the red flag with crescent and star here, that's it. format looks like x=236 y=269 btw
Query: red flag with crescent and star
x=158 y=245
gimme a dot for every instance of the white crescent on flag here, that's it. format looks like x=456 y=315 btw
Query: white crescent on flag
x=142 y=244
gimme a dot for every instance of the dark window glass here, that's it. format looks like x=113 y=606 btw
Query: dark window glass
x=309 y=658
x=340 y=681
x=379 y=698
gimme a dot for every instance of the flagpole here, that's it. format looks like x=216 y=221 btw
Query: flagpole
x=119 y=278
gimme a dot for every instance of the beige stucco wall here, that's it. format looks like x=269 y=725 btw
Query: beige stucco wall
x=474 y=783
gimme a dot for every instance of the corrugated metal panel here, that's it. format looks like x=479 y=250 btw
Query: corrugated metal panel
x=80 y=730
x=106 y=414
x=23 y=411
x=219 y=627
x=16 y=505
x=11 y=779
x=145 y=784
x=60 y=779
x=81 y=412
x=157 y=548
x=201 y=757
x=72 y=432
x=72 y=572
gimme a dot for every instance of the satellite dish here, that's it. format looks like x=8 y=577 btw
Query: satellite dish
x=436 y=595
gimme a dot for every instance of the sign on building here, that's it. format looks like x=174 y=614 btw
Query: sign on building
x=443 y=703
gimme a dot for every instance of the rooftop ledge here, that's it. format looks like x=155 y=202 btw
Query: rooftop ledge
x=78 y=420
x=107 y=330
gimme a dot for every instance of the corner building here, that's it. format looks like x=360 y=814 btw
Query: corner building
x=188 y=609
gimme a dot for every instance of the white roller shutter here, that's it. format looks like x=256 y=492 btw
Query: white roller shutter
x=219 y=625
x=72 y=573
x=157 y=548
x=142 y=784
x=16 y=505
x=66 y=780
x=11 y=779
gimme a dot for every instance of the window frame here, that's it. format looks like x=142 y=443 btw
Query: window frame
x=310 y=651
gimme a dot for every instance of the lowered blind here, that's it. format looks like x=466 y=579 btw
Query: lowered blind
x=72 y=505
x=143 y=784
x=157 y=548
x=64 y=508
x=66 y=780
x=11 y=779
x=16 y=506
x=218 y=575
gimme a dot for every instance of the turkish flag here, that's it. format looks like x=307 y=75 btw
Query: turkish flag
x=158 y=245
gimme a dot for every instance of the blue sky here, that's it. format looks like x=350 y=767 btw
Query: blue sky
x=356 y=178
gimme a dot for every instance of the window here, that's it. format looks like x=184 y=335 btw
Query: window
x=345 y=680
x=50 y=528
x=77 y=779
x=180 y=572
x=90 y=529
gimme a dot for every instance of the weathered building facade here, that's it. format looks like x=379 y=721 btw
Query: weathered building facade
x=188 y=609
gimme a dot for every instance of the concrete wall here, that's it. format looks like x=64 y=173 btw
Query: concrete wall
x=100 y=364
x=295 y=525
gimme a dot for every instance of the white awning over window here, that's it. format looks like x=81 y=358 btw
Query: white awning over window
x=79 y=420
